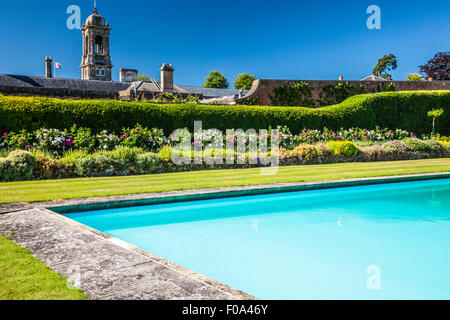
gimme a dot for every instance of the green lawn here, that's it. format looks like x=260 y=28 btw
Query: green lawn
x=32 y=191
x=23 y=277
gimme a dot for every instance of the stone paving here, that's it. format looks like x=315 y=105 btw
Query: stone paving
x=106 y=270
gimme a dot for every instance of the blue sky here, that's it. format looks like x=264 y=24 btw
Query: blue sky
x=280 y=39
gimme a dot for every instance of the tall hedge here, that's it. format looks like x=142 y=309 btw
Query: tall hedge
x=405 y=110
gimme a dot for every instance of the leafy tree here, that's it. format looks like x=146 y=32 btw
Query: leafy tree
x=385 y=63
x=244 y=81
x=143 y=77
x=437 y=68
x=413 y=77
x=435 y=113
x=216 y=80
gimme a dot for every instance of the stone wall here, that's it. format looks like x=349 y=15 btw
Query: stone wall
x=263 y=88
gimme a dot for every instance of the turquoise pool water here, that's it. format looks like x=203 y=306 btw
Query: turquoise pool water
x=389 y=241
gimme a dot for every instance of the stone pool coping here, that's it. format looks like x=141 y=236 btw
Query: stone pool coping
x=100 y=203
x=171 y=280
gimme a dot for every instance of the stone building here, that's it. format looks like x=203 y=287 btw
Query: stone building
x=96 y=60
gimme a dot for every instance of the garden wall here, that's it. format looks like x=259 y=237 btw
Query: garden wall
x=263 y=89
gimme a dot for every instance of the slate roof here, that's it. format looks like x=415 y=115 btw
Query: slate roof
x=152 y=87
x=9 y=80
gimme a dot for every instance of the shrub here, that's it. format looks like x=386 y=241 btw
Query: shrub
x=19 y=165
x=82 y=138
x=165 y=153
x=84 y=167
x=305 y=151
x=323 y=150
x=426 y=146
x=344 y=148
x=52 y=169
x=395 y=146
x=71 y=156
x=53 y=140
x=148 y=161
x=127 y=153
x=406 y=110
x=435 y=146
x=374 y=153
x=151 y=140
x=93 y=165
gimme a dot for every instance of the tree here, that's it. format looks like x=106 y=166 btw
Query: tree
x=437 y=68
x=435 y=113
x=143 y=77
x=386 y=63
x=244 y=81
x=413 y=77
x=216 y=80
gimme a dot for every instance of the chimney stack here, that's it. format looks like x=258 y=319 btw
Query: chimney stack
x=167 y=78
x=48 y=67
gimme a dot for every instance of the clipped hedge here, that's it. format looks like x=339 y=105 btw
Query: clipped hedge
x=406 y=110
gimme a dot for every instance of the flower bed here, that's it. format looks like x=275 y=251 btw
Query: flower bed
x=54 y=157
x=57 y=142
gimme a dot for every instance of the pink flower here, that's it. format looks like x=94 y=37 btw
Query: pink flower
x=5 y=134
x=28 y=146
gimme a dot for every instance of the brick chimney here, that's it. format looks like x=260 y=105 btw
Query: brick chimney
x=167 y=78
x=48 y=67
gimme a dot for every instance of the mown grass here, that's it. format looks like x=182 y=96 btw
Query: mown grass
x=33 y=191
x=23 y=277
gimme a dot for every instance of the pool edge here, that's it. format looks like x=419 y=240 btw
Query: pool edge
x=109 y=202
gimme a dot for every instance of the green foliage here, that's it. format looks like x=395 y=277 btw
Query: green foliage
x=297 y=94
x=385 y=63
x=143 y=77
x=165 y=97
x=244 y=81
x=435 y=113
x=395 y=146
x=216 y=79
x=414 y=77
x=251 y=101
x=149 y=139
x=127 y=153
x=165 y=153
x=340 y=92
x=386 y=87
x=148 y=161
x=71 y=156
x=18 y=165
x=344 y=148
x=426 y=146
x=305 y=151
x=405 y=110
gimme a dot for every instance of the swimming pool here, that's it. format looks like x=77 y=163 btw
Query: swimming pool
x=388 y=241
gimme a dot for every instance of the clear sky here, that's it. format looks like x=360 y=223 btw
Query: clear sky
x=279 y=39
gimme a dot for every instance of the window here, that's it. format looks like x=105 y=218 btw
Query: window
x=100 y=72
x=98 y=45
